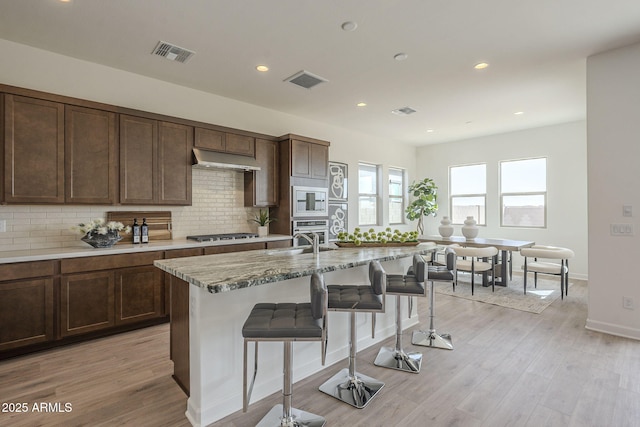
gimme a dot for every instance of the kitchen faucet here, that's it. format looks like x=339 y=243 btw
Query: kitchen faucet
x=315 y=241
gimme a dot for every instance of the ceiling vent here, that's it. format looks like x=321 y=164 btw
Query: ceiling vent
x=305 y=79
x=172 y=52
x=404 y=111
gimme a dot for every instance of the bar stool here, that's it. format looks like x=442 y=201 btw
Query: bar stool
x=436 y=273
x=348 y=385
x=287 y=322
x=410 y=285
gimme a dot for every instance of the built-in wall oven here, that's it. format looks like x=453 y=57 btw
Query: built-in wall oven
x=310 y=201
x=308 y=227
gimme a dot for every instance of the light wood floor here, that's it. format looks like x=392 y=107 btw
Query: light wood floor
x=508 y=368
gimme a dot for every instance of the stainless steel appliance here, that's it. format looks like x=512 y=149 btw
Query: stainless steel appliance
x=308 y=227
x=222 y=236
x=310 y=201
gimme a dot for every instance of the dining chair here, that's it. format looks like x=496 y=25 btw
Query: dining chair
x=551 y=266
x=475 y=260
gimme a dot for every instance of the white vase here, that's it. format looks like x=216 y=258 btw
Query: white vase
x=445 y=229
x=470 y=228
x=263 y=230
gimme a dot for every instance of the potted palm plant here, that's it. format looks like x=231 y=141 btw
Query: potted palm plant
x=263 y=219
x=425 y=194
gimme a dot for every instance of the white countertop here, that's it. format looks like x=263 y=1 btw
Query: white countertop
x=84 y=250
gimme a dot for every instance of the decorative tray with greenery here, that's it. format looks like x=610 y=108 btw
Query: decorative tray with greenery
x=372 y=238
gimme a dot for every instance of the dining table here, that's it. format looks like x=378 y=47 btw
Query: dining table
x=505 y=246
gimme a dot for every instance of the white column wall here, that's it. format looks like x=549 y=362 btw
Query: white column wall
x=613 y=116
x=564 y=146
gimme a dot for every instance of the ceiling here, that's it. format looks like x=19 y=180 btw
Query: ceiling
x=536 y=52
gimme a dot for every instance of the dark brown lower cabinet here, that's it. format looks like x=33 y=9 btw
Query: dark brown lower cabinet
x=26 y=313
x=138 y=294
x=86 y=303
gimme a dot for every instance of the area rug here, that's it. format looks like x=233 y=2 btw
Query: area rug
x=535 y=301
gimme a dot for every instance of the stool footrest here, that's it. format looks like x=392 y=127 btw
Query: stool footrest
x=431 y=339
x=389 y=357
x=356 y=391
x=298 y=419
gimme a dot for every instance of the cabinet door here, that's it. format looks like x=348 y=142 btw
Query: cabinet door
x=138 y=165
x=261 y=187
x=300 y=159
x=26 y=313
x=175 y=143
x=86 y=303
x=138 y=294
x=209 y=139
x=91 y=163
x=319 y=163
x=240 y=144
x=33 y=150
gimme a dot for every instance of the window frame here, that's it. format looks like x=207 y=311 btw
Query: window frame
x=375 y=195
x=481 y=219
x=402 y=197
x=524 y=194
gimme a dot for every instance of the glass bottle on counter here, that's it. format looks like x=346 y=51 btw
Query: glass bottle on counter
x=135 y=231
x=144 y=229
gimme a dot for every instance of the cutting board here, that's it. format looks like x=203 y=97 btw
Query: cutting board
x=159 y=223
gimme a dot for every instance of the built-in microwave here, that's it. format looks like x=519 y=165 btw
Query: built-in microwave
x=310 y=201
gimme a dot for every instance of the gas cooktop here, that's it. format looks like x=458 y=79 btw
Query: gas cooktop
x=223 y=236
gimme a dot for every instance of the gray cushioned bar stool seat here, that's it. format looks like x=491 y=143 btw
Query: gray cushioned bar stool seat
x=287 y=322
x=348 y=385
x=404 y=285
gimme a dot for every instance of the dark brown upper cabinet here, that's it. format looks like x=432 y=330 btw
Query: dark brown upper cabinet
x=91 y=157
x=155 y=163
x=261 y=187
x=309 y=160
x=33 y=150
x=225 y=142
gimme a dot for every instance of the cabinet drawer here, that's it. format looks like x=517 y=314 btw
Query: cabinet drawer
x=182 y=253
x=234 y=248
x=25 y=270
x=106 y=262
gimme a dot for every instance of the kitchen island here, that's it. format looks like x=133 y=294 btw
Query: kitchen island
x=213 y=294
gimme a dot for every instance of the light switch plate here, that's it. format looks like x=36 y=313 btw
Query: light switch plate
x=627 y=210
x=3 y=225
x=621 y=229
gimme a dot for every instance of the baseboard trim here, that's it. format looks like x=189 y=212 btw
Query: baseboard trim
x=613 y=329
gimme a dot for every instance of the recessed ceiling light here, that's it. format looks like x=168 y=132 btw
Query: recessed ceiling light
x=262 y=68
x=361 y=104
x=519 y=113
x=429 y=130
x=349 y=26
x=481 y=66
x=400 y=56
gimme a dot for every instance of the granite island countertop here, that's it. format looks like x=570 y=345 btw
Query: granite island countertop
x=228 y=272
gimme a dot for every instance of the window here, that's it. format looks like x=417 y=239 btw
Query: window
x=396 y=196
x=468 y=193
x=368 y=194
x=523 y=193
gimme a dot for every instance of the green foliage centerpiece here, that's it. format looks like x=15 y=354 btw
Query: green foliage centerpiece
x=380 y=238
x=425 y=193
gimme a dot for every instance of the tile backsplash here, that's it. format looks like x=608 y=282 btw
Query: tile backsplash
x=218 y=207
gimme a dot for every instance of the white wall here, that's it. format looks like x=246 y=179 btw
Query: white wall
x=564 y=146
x=49 y=72
x=613 y=114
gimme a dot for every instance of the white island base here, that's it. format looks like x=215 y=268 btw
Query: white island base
x=216 y=343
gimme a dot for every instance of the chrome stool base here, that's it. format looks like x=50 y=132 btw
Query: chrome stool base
x=431 y=339
x=389 y=357
x=274 y=418
x=356 y=390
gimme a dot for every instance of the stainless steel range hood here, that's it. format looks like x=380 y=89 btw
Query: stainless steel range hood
x=205 y=159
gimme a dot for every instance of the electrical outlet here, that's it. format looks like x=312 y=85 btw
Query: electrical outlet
x=3 y=225
x=627 y=302
x=621 y=229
